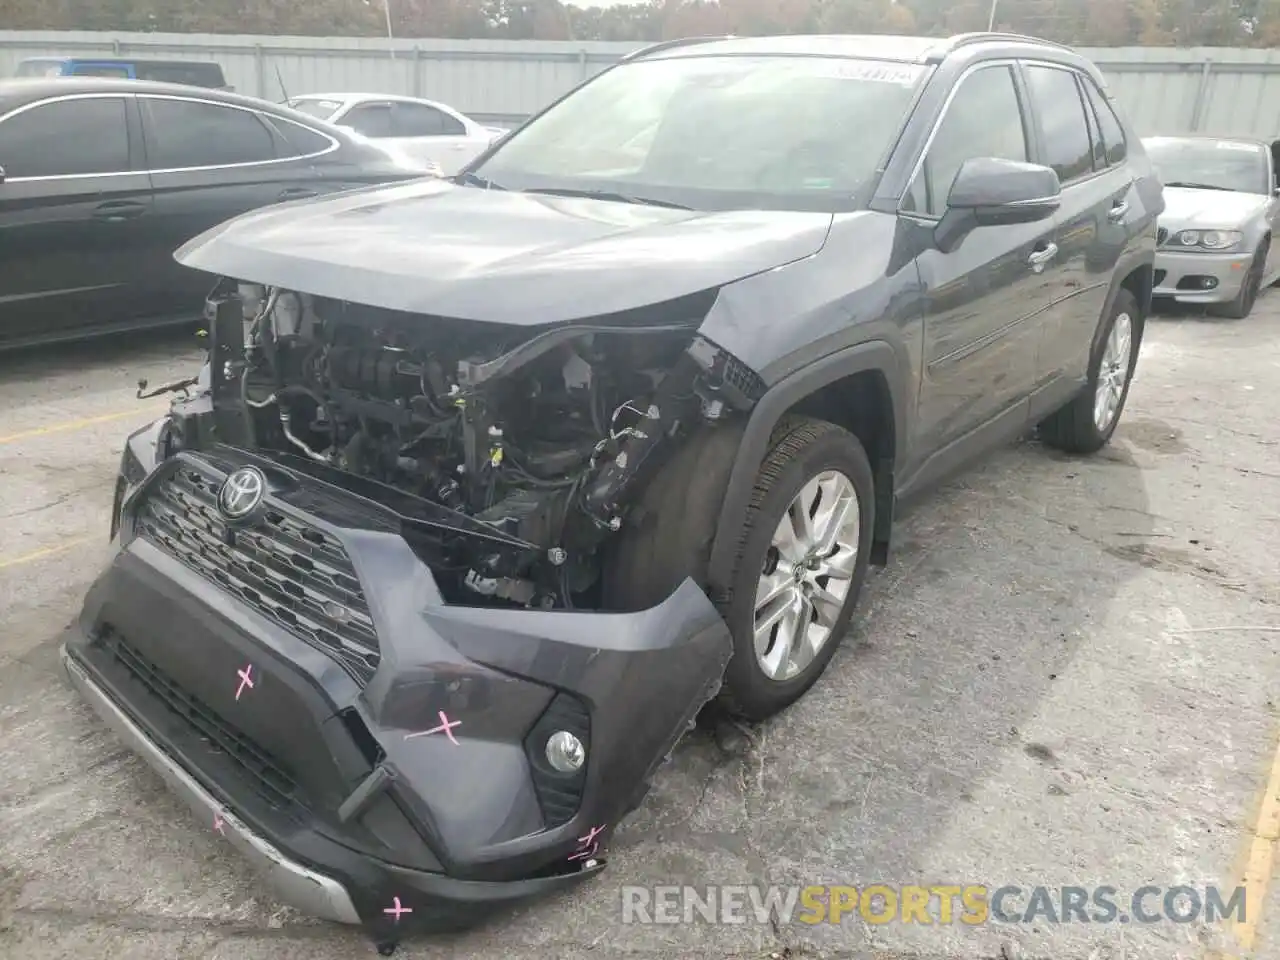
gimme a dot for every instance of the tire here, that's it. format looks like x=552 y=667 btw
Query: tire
x=676 y=524
x=1075 y=428
x=1242 y=305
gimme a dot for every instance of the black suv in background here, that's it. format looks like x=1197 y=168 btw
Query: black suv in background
x=492 y=483
x=100 y=180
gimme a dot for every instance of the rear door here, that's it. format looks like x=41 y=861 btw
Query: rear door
x=432 y=134
x=982 y=299
x=210 y=161
x=75 y=211
x=1092 y=226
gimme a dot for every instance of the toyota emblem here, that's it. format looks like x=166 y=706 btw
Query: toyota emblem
x=241 y=493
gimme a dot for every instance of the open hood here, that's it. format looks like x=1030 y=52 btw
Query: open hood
x=433 y=247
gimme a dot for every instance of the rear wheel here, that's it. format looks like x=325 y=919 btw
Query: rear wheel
x=1086 y=423
x=801 y=557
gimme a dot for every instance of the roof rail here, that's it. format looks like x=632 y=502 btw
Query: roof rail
x=671 y=44
x=964 y=39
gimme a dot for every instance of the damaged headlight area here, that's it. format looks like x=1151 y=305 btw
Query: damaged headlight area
x=528 y=443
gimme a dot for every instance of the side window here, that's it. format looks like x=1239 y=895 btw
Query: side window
x=1108 y=123
x=189 y=133
x=1097 y=149
x=419 y=120
x=66 y=138
x=370 y=119
x=1055 y=99
x=982 y=120
x=302 y=141
x=195 y=75
x=101 y=70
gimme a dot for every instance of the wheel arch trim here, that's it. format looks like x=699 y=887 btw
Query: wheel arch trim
x=872 y=356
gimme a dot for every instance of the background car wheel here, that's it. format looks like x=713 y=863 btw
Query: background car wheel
x=1086 y=423
x=799 y=565
x=1242 y=305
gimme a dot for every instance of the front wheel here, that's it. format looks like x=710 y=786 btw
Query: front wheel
x=800 y=561
x=1242 y=305
x=1086 y=423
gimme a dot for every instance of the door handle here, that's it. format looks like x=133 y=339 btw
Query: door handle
x=297 y=193
x=1118 y=210
x=1041 y=257
x=117 y=211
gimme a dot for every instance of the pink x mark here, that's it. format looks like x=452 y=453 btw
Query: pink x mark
x=584 y=854
x=397 y=909
x=246 y=679
x=217 y=823
x=446 y=725
x=588 y=845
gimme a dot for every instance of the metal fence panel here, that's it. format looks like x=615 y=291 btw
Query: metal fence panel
x=1217 y=90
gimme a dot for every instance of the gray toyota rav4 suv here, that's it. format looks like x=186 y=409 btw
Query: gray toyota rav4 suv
x=491 y=483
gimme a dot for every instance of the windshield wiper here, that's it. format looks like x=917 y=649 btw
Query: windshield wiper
x=1197 y=186
x=476 y=181
x=607 y=195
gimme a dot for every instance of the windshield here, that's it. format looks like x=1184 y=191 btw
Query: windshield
x=718 y=133
x=1214 y=164
x=320 y=109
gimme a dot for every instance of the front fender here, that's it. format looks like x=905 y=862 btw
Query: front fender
x=875 y=355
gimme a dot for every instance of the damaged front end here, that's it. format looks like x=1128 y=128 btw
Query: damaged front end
x=355 y=613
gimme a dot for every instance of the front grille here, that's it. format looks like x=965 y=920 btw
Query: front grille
x=1157 y=278
x=268 y=777
x=1162 y=234
x=285 y=568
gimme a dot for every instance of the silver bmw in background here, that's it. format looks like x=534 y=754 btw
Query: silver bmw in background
x=1221 y=208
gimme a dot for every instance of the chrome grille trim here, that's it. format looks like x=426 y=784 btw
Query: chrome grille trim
x=282 y=566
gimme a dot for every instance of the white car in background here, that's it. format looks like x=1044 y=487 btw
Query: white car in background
x=421 y=130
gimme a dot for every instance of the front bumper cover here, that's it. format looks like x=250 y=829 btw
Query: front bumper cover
x=332 y=784
x=1174 y=268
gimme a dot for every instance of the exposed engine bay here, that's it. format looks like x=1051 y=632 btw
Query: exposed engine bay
x=530 y=442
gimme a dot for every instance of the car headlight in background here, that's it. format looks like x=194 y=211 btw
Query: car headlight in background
x=1213 y=240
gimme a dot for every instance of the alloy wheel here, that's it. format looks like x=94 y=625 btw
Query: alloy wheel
x=1113 y=373
x=806 y=576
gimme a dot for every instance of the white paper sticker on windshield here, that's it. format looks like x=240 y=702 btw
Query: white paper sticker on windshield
x=1237 y=145
x=903 y=74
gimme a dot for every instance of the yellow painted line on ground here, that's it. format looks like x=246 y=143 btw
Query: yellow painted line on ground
x=63 y=547
x=66 y=425
x=1260 y=860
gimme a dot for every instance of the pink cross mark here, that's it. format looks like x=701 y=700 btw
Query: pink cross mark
x=217 y=823
x=584 y=854
x=446 y=725
x=397 y=909
x=246 y=679
x=588 y=845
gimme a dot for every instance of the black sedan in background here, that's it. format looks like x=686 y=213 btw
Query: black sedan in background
x=101 y=180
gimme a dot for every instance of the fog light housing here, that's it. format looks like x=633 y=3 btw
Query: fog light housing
x=565 y=752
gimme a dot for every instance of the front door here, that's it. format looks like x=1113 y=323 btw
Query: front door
x=981 y=299
x=75 y=209
x=209 y=162
x=1093 y=225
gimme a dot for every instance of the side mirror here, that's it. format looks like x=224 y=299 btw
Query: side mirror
x=988 y=192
